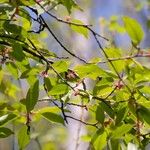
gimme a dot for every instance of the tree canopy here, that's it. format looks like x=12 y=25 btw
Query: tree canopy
x=39 y=86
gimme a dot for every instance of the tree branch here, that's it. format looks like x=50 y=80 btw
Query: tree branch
x=54 y=36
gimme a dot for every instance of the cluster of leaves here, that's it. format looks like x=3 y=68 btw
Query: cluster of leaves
x=118 y=104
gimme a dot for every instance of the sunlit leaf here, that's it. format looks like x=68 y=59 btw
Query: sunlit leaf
x=12 y=68
x=86 y=138
x=79 y=29
x=69 y=4
x=90 y=70
x=121 y=130
x=53 y=117
x=23 y=138
x=114 y=53
x=115 y=26
x=53 y=109
x=99 y=140
x=59 y=89
x=32 y=96
x=133 y=29
x=61 y=66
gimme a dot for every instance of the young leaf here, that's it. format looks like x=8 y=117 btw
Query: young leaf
x=121 y=130
x=133 y=29
x=113 y=52
x=69 y=4
x=23 y=138
x=85 y=138
x=5 y=132
x=32 y=96
x=79 y=29
x=61 y=66
x=89 y=70
x=102 y=91
x=53 y=117
x=115 y=26
x=59 y=89
x=96 y=134
x=29 y=72
x=53 y=109
x=99 y=140
x=12 y=68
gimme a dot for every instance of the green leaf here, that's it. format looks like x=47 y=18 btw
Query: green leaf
x=32 y=96
x=17 y=30
x=89 y=71
x=23 y=65
x=53 y=109
x=121 y=130
x=100 y=114
x=69 y=4
x=102 y=91
x=99 y=140
x=96 y=134
x=3 y=1
x=86 y=138
x=59 y=89
x=53 y=117
x=27 y=3
x=95 y=60
x=121 y=113
x=133 y=29
x=12 y=68
x=23 y=138
x=48 y=84
x=105 y=81
x=47 y=53
x=29 y=72
x=115 y=26
x=108 y=109
x=61 y=66
x=5 y=132
x=113 y=53
x=115 y=144
x=145 y=114
x=7 y=118
x=23 y=13
x=79 y=29
x=17 y=52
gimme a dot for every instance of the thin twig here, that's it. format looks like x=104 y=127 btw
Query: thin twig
x=63 y=112
x=58 y=41
x=126 y=57
x=72 y=23
x=86 y=123
x=100 y=46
